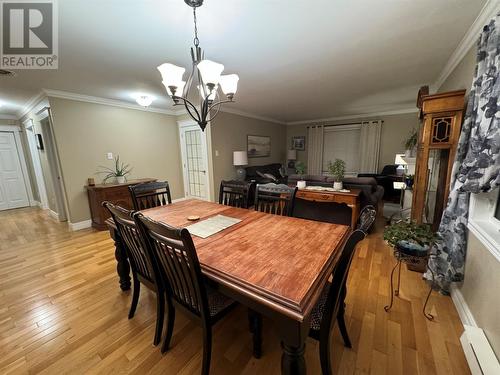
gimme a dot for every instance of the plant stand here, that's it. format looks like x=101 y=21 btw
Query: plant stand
x=402 y=257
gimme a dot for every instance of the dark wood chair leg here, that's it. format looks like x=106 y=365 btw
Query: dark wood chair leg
x=324 y=355
x=342 y=326
x=255 y=325
x=135 y=297
x=170 y=327
x=207 y=350
x=160 y=313
x=292 y=360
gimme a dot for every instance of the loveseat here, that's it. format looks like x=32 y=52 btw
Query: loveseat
x=257 y=174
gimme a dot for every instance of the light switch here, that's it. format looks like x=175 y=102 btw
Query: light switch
x=109 y=156
x=216 y=152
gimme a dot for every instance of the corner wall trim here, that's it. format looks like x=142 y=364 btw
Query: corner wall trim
x=80 y=225
x=462 y=308
x=489 y=10
x=53 y=214
x=32 y=103
x=104 y=101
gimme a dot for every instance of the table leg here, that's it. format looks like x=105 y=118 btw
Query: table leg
x=293 y=343
x=354 y=215
x=255 y=325
x=122 y=265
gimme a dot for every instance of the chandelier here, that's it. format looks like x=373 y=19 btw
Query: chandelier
x=207 y=75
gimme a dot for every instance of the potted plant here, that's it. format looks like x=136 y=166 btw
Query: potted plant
x=300 y=168
x=411 y=143
x=412 y=239
x=337 y=170
x=119 y=172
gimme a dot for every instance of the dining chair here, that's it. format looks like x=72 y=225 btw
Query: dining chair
x=141 y=264
x=234 y=193
x=275 y=199
x=150 y=194
x=366 y=218
x=331 y=304
x=180 y=274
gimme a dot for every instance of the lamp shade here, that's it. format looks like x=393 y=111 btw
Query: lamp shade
x=210 y=71
x=171 y=74
x=229 y=83
x=292 y=155
x=240 y=158
x=399 y=159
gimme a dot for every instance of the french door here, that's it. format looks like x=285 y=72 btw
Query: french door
x=194 y=162
x=13 y=192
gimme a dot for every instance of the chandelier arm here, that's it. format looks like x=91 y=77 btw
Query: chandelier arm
x=188 y=104
x=221 y=102
x=217 y=110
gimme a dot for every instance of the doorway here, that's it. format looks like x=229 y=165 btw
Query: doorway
x=13 y=185
x=195 y=161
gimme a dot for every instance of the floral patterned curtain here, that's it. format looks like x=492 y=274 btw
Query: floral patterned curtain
x=477 y=163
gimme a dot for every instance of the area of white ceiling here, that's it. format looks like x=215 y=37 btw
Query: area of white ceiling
x=297 y=59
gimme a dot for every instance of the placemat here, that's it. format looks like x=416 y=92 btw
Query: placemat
x=210 y=226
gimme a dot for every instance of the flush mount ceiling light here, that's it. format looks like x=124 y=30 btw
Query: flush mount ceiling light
x=144 y=100
x=208 y=76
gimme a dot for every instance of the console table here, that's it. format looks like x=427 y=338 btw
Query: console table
x=114 y=193
x=351 y=199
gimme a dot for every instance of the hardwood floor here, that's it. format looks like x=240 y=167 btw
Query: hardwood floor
x=61 y=311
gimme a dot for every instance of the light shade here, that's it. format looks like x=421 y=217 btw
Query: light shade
x=171 y=74
x=399 y=159
x=229 y=83
x=240 y=158
x=292 y=155
x=210 y=71
x=144 y=100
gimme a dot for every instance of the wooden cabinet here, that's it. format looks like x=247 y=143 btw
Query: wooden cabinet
x=441 y=116
x=114 y=193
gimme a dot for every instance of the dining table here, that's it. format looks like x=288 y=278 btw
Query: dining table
x=276 y=266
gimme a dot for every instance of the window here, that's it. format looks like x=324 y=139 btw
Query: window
x=484 y=219
x=342 y=142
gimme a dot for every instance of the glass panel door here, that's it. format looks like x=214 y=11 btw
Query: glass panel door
x=194 y=159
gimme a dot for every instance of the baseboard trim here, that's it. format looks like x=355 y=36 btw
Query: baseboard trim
x=53 y=214
x=80 y=225
x=179 y=199
x=462 y=308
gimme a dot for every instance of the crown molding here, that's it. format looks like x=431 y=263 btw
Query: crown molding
x=352 y=117
x=251 y=115
x=31 y=104
x=490 y=10
x=105 y=101
x=8 y=117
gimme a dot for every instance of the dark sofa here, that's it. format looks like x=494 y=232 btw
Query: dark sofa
x=255 y=173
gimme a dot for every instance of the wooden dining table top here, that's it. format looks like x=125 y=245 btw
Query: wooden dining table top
x=282 y=262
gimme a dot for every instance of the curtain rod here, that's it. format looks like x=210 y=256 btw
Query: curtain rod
x=344 y=123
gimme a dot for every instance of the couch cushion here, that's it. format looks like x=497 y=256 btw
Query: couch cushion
x=274 y=169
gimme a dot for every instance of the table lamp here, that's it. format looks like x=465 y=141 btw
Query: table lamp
x=291 y=157
x=240 y=158
x=400 y=170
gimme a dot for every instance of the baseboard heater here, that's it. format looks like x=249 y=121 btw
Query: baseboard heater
x=478 y=351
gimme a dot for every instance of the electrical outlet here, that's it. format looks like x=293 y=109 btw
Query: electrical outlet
x=109 y=156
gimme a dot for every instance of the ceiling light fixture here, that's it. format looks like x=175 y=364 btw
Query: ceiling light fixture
x=144 y=100
x=208 y=75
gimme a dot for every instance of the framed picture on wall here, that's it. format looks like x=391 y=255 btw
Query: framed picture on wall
x=258 y=146
x=299 y=143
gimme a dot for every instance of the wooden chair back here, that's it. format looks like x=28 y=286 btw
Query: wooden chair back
x=177 y=262
x=275 y=199
x=234 y=193
x=366 y=218
x=150 y=194
x=140 y=260
x=339 y=278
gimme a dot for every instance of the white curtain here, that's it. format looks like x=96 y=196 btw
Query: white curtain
x=369 y=146
x=314 y=149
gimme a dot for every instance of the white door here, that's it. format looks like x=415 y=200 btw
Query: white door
x=194 y=162
x=13 y=193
